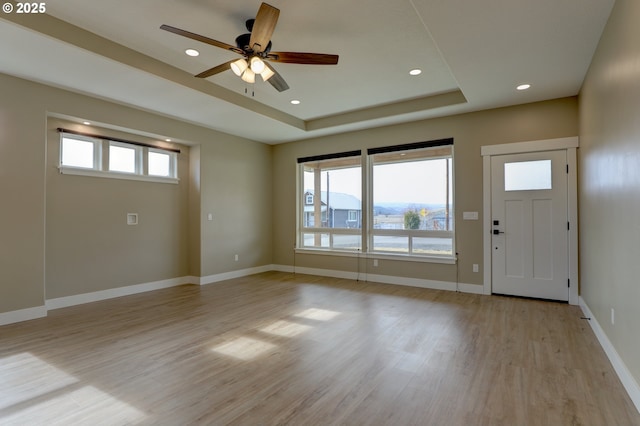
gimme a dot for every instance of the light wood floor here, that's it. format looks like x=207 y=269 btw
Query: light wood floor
x=279 y=348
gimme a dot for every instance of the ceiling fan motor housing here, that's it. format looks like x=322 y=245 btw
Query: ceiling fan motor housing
x=243 y=40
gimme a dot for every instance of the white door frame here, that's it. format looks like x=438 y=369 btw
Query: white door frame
x=570 y=145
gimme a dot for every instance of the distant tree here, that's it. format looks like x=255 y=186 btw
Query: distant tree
x=411 y=219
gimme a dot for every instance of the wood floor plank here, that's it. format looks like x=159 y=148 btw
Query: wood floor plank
x=284 y=349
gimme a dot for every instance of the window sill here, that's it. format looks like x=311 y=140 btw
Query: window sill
x=115 y=175
x=381 y=256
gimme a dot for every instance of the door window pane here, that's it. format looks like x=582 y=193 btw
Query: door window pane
x=527 y=175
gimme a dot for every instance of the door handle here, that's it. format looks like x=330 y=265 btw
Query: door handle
x=497 y=232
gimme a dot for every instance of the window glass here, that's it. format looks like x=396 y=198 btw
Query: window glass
x=122 y=159
x=78 y=153
x=340 y=203
x=432 y=245
x=315 y=239
x=527 y=175
x=389 y=243
x=159 y=164
x=412 y=195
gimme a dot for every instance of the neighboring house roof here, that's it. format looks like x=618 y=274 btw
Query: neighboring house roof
x=338 y=201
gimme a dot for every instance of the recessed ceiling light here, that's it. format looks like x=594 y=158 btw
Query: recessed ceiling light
x=168 y=140
x=192 y=52
x=295 y=102
x=523 y=87
x=415 y=71
x=86 y=123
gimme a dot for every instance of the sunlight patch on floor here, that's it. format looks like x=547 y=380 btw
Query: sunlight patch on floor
x=286 y=328
x=244 y=348
x=34 y=392
x=24 y=377
x=317 y=314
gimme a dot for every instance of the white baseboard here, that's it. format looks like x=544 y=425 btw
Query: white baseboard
x=326 y=273
x=283 y=268
x=210 y=279
x=471 y=288
x=22 y=315
x=411 y=282
x=383 y=279
x=79 y=299
x=628 y=381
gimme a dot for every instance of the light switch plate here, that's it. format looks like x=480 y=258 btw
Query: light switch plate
x=470 y=215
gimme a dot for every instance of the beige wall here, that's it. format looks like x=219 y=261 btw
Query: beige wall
x=22 y=157
x=236 y=190
x=610 y=183
x=88 y=246
x=543 y=120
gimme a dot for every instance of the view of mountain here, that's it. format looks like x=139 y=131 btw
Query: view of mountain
x=400 y=208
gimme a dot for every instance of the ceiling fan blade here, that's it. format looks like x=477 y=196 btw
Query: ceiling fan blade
x=303 y=58
x=216 y=70
x=263 y=27
x=200 y=38
x=276 y=80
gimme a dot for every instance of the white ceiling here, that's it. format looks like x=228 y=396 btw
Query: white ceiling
x=472 y=52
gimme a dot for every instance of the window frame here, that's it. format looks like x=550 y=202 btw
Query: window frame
x=97 y=150
x=367 y=231
x=137 y=157
x=173 y=162
x=411 y=234
x=320 y=231
x=101 y=166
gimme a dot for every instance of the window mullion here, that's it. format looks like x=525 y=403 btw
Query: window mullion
x=103 y=155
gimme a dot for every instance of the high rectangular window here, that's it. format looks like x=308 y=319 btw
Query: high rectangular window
x=123 y=158
x=79 y=152
x=160 y=163
x=94 y=156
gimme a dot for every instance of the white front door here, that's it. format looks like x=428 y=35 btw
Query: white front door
x=529 y=232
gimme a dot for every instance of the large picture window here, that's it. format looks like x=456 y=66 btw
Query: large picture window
x=407 y=209
x=412 y=202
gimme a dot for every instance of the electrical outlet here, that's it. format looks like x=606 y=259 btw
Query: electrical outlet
x=236 y=258
x=375 y=262
x=613 y=316
x=475 y=267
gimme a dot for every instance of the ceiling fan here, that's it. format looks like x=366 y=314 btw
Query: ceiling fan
x=255 y=47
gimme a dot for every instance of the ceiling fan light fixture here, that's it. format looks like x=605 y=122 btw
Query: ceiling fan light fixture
x=249 y=76
x=239 y=66
x=257 y=65
x=267 y=73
